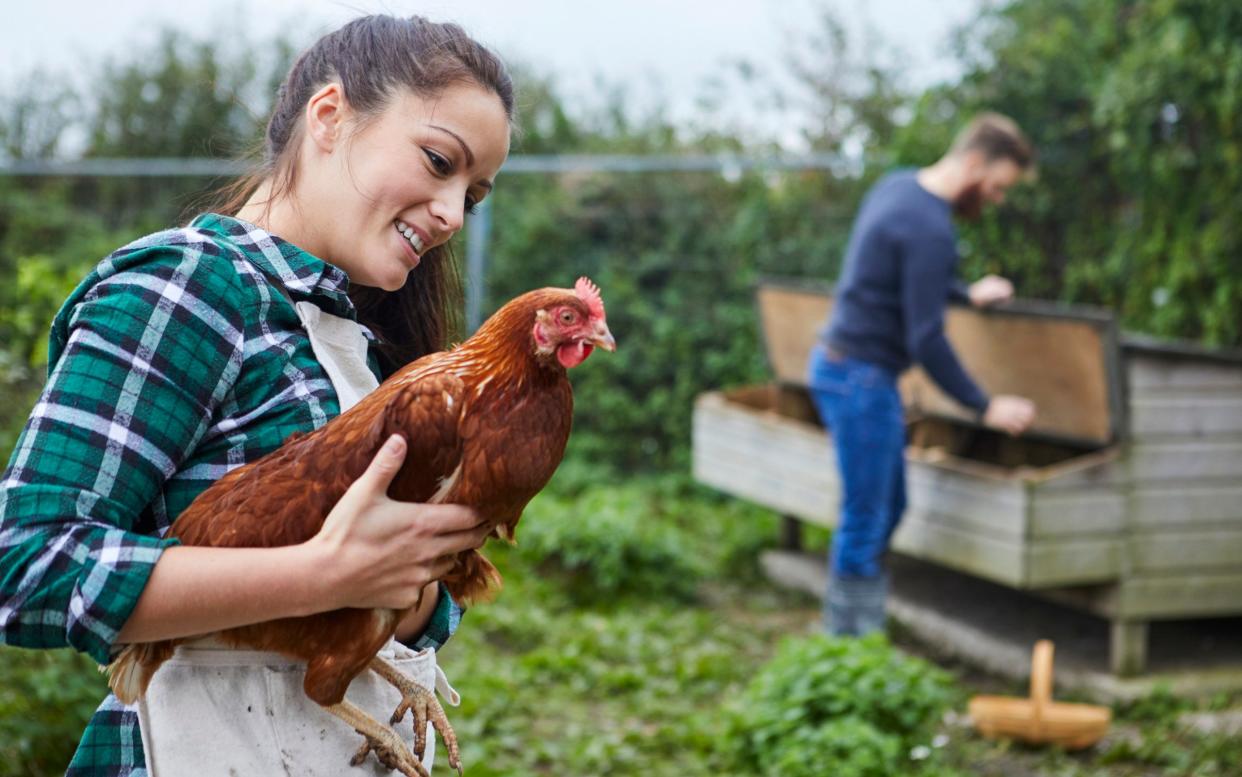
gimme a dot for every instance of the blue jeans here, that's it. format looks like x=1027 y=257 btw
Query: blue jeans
x=859 y=403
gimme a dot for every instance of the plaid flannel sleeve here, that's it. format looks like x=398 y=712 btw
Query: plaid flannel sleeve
x=443 y=624
x=145 y=355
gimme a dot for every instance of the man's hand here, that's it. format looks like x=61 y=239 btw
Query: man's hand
x=990 y=290
x=1010 y=414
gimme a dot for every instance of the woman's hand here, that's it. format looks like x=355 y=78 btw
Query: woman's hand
x=377 y=552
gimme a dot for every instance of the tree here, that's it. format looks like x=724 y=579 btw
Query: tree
x=1132 y=106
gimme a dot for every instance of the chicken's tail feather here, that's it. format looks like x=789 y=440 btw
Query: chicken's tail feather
x=473 y=579
x=131 y=671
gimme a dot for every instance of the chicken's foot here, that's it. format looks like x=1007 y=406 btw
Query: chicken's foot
x=422 y=701
x=388 y=747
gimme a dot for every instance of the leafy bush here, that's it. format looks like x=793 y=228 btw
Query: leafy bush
x=847 y=747
x=846 y=707
x=610 y=541
x=651 y=535
x=46 y=698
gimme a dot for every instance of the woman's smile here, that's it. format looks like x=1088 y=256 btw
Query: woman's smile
x=411 y=243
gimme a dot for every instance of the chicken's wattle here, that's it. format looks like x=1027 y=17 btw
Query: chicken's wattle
x=574 y=353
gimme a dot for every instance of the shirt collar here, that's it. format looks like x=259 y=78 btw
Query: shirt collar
x=304 y=275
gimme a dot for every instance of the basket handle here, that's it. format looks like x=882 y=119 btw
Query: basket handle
x=1041 y=682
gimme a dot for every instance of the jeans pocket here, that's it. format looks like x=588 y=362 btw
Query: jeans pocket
x=825 y=375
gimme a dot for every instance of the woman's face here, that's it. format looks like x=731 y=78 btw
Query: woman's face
x=402 y=182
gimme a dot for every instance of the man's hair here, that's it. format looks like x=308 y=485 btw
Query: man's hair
x=996 y=137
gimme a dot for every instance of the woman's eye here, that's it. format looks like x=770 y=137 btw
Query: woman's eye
x=472 y=205
x=442 y=165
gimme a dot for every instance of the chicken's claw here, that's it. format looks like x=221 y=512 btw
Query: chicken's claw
x=423 y=703
x=388 y=747
x=390 y=753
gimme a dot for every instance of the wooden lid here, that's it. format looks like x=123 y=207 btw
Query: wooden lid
x=1064 y=358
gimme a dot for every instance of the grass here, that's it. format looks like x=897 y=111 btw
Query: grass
x=632 y=624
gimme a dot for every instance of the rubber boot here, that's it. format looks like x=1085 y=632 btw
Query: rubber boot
x=855 y=605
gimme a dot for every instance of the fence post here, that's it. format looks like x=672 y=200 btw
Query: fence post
x=478 y=228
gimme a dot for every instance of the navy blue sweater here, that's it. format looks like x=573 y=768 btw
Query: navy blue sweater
x=898 y=277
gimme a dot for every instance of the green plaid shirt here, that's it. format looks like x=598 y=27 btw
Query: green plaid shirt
x=172 y=363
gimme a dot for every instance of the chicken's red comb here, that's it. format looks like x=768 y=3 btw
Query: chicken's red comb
x=589 y=293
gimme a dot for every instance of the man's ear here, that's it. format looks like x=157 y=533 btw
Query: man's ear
x=326 y=111
x=974 y=163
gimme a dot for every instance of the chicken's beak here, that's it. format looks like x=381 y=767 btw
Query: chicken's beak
x=602 y=338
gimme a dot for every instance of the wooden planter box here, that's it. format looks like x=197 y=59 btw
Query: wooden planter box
x=1125 y=499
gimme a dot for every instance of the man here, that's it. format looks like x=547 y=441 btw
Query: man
x=888 y=314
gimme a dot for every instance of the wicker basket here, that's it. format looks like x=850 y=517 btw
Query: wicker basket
x=1039 y=719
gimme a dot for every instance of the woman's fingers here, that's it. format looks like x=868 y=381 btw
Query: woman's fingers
x=384 y=466
x=445 y=519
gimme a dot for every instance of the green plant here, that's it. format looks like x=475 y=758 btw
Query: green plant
x=847 y=747
x=46 y=697
x=609 y=541
x=1159 y=706
x=839 y=706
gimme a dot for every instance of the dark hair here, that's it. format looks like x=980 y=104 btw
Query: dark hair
x=997 y=137
x=372 y=58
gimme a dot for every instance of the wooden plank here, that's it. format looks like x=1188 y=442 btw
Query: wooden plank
x=1066 y=513
x=1186 y=505
x=1190 y=416
x=1127 y=647
x=1068 y=363
x=1149 y=347
x=996 y=506
x=818 y=470
x=786 y=465
x=1202 y=460
x=769 y=488
x=1181 y=596
x=746 y=436
x=1019 y=564
x=1074 y=561
x=766 y=485
x=1102 y=469
x=975 y=521
x=754 y=456
x=986 y=557
x=1169 y=551
x=791 y=319
x=759 y=434
x=1064 y=367
x=1153 y=373
x=982 y=471
x=789 y=402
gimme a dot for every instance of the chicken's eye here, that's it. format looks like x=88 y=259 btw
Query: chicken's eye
x=567 y=317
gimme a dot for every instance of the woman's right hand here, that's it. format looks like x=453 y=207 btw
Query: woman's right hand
x=373 y=551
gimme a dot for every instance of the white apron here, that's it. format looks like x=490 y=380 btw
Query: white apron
x=213 y=710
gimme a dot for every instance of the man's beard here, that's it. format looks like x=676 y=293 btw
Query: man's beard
x=969 y=203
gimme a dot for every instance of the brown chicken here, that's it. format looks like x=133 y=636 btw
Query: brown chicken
x=486 y=425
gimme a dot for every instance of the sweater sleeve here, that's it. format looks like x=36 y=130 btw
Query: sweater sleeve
x=959 y=292
x=142 y=360
x=927 y=267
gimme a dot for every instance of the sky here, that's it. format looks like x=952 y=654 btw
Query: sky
x=661 y=49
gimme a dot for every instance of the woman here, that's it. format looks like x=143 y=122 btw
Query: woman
x=193 y=351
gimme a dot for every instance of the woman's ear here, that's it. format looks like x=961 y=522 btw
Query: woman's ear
x=326 y=112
